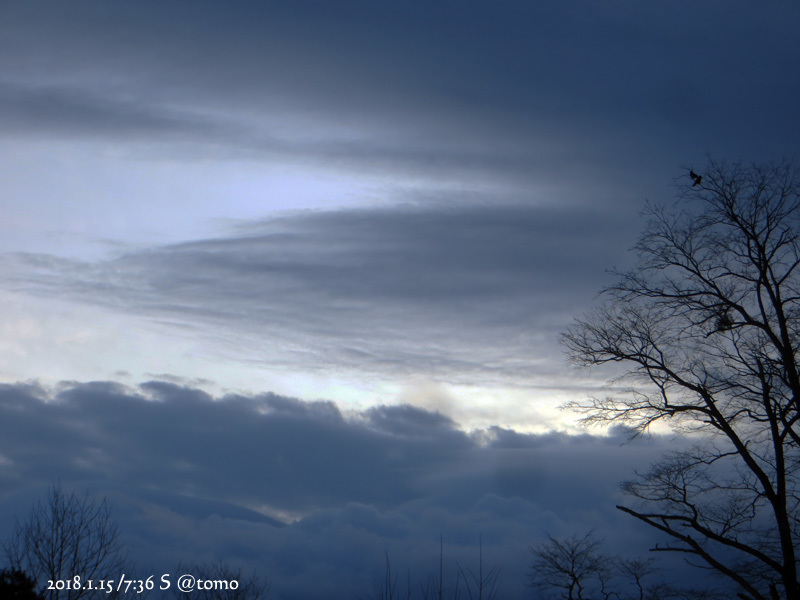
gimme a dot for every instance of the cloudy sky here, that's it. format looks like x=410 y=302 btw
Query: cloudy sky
x=310 y=260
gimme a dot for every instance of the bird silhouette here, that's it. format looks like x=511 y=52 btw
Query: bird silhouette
x=696 y=178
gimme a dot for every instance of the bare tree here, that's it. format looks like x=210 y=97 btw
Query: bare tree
x=638 y=572
x=388 y=588
x=574 y=568
x=482 y=583
x=65 y=536
x=706 y=330
x=434 y=587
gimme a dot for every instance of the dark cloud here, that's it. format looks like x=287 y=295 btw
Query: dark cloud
x=473 y=92
x=408 y=421
x=439 y=292
x=45 y=111
x=27 y=110
x=341 y=56
x=194 y=477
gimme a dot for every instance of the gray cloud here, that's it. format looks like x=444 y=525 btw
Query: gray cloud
x=439 y=292
x=191 y=475
x=457 y=158
x=27 y=110
x=521 y=93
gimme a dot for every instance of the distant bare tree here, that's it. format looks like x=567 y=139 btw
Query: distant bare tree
x=638 y=572
x=574 y=568
x=706 y=329
x=64 y=536
x=434 y=587
x=473 y=584
x=481 y=584
x=388 y=588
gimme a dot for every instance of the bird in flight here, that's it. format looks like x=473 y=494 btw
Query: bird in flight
x=696 y=178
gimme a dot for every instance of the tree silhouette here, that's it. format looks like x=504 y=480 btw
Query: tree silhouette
x=16 y=585
x=63 y=536
x=706 y=330
x=481 y=583
x=576 y=568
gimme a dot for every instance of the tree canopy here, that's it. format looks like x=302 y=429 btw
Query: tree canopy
x=705 y=328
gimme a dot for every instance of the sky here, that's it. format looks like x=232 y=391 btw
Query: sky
x=296 y=271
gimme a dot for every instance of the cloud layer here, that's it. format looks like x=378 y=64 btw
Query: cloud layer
x=205 y=478
x=467 y=296
x=497 y=157
x=572 y=98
